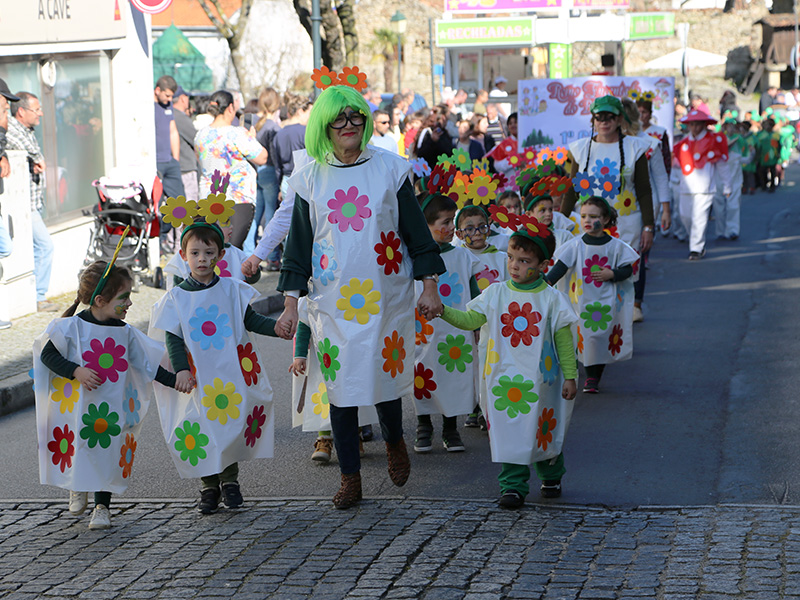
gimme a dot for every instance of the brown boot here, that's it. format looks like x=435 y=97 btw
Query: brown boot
x=399 y=465
x=350 y=492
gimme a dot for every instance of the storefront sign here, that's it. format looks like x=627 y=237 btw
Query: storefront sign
x=484 y=32
x=647 y=26
x=495 y=6
x=560 y=61
x=50 y=21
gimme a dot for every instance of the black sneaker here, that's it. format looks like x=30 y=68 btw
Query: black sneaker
x=232 y=495
x=452 y=441
x=482 y=423
x=511 y=499
x=697 y=255
x=209 y=501
x=551 y=488
x=424 y=441
x=472 y=420
x=366 y=433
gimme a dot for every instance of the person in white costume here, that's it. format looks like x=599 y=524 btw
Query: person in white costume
x=359 y=236
x=92 y=376
x=727 y=207
x=528 y=366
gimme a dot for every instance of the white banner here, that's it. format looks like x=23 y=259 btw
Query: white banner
x=555 y=112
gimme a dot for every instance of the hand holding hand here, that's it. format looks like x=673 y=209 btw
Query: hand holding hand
x=88 y=378
x=286 y=324
x=250 y=266
x=429 y=303
x=185 y=381
x=298 y=366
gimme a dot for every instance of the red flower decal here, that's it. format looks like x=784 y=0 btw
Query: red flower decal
x=248 y=362
x=62 y=447
x=502 y=217
x=255 y=421
x=544 y=433
x=615 y=340
x=389 y=255
x=531 y=226
x=520 y=324
x=423 y=382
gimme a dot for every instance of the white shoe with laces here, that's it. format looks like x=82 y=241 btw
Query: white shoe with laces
x=78 y=502
x=101 y=518
x=638 y=317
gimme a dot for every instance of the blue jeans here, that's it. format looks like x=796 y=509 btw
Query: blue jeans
x=6 y=245
x=42 y=255
x=170 y=173
x=266 y=203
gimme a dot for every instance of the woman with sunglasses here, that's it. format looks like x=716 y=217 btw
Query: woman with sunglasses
x=359 y=236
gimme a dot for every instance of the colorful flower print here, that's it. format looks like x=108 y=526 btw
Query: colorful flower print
x=486 y=277
x=533 y=227
x=420 y=167
x=178 y=212
x=514 y=396
x=575 y=288
x=327 y=354
x=255 y=423
x=348 y=209
x=215 y=208
x=66 y=392
x=126 y=455
x=105 y=358
x=548 y=363
x=626 y=203
x=389 y=255
x=221 y=268
x=248 y=363
x=455 y=353
x=190 y=442
x=502 y=217
x=584 y=184
x=560 y=185
x=63 y=447
x=612 y=231
x=220 y=182
x=544 y=433
x=393 y=353
x=593 y=265
x=580 y=340
x=480 y=163
x=608 y=186
x=526 y=177
x=620 y=301
x=596 y=316
x=545 y=155
x=520 y=324
x=222 y=401
x=322 y=405
x=100 y=425
x=359 y=301
x=560 y=155
x=323 y=261
x=450 y=290
x=605 y=168
x=615 y=340
x=210 y=328
x=458 y=193
x=422 y=327
x=482 y=190
x=461 y=160
x=423 y=382
x=354 y=78
x=131 y=406
x=442 y=177
x=492 y=358
x=324 y=77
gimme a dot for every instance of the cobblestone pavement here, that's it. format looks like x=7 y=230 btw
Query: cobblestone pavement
x=400 y=549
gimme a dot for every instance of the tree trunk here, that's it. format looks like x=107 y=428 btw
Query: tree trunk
x=330 y=40
x=388 y=73
x=231 y=33
x=348 y=20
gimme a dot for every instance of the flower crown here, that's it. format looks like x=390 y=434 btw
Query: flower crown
x=522 y=225
x=545 y=178
x=324 y=78
x=215 y=210
x=645 y=95
x=104 y=277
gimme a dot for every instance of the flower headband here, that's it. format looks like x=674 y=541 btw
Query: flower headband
x=215 y=208
x=104 y=278
x=645 y=95
x=522 y=226
x=324 y=78
x=439 y=183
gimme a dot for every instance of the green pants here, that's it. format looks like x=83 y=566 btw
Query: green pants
x=515 y=477
x=229 y=475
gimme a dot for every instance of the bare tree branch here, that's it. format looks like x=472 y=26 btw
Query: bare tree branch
x=221 y=26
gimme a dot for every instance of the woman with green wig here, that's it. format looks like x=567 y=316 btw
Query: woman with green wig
x=357 y=242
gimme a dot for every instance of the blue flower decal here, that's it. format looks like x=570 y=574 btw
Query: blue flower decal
x=620 y=299
x=608 y=186
x=131 y=406
x=548 y=364
x=605 y=168
x=450 y=289
x=420 y=167
x=210 y=328
x=323 y=262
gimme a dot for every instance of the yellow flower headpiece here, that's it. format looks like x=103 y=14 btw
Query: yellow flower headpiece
x=215 y=208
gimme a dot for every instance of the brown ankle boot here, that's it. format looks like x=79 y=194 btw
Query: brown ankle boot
x=350 y=492
x=399 y=465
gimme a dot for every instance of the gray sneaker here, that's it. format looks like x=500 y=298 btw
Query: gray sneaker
x=5 y=324
x=452 y=441
x=424 y=441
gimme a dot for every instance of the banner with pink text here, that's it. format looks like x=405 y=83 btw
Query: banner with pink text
x=555 y=112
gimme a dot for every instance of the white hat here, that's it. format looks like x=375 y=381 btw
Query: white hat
x=500 y=79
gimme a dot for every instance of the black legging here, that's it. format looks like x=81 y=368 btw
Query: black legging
x=638 y=286
x=344 y=424
x=240 y=222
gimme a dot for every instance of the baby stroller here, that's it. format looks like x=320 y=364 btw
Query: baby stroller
x=124 y=201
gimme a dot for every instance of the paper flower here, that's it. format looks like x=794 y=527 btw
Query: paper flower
x=422 y=328
x=209 y=327
x=327 y=354
x=547 y=167
x=219 y=184
x=131 y=406
x=559 y=185
x=462 y=160
x=322 y=404
x=393 y=354
x=514 y=160
x=349 y=209
x=528 y=155
x=420 y=167
x=215 y=208
x=66 y=392
x=354 y=78
x=519 y=323
x=594 y=264
x=458 y=192
x=502 y=181
x=100 y=425
x=482 y=190
x=359 y=300
x=248 y=363
x=526 y=177
x=450 y=289
x=178 y=211
x=615 y=340
x=650 y=96
x=190 y=442
x=541 y=187
x=560 y=155
x=323 y=261
x=255 y=423
x=423 y=382
x=531 y=226
x=596 y=316
x=445 y=160
x=389 y=255
x=441 y=179
x=548 y=363
x=455 y=353
x=502 y=217
x=545 y=154
x=323 y=77
x=126 y=455
x=480 y=163
x=221 y=400
x=634 y=94
x=514 y=396
x=492 y=357
x=105 y=358
x=544 y=432
x=626 y=203
x=62 y=447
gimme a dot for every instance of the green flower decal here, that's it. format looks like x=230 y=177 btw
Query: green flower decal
x=454 y=353
x=100 y=425
x=596 y=316
x=327 y=359
x=190 y=442
x=514 y=395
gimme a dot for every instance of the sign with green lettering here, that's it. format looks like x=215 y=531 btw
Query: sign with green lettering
x=484 y=32
x=648 y=26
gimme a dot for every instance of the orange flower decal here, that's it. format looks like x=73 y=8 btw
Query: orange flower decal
x=354 y=78
x=394 y=353
x=544 y=433
x=127 y=454
x=580 y=341
x=323 y=78
x=423 y=328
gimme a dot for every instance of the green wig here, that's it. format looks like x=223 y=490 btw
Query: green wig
x=330 y=104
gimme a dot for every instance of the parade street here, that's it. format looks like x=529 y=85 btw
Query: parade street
x=681 y=476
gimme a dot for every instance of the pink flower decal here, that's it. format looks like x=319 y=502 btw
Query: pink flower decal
x=594 y=264
x=106 y=359
x=221 y=268
x=349 y=209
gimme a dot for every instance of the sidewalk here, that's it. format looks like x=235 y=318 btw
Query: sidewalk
x=403 y=549
x=16 y=390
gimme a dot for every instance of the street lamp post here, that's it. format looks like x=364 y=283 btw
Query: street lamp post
x=399 y=23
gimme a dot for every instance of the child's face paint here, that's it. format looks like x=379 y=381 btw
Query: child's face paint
x=116 y=308
x=443 y=228
x=543 y=212
x=523 y=267
x=201 y=258
x=592 y=220
x=473 y=230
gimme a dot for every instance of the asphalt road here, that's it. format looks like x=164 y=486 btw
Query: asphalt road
x=703 y=413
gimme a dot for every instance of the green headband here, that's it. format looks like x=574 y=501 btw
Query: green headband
x=532 y=202
x=536 y=240
x=603 y=200
x=104 y=278
x=197 y=224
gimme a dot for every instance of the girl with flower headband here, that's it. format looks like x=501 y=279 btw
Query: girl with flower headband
x=92 y=375
x=527 y=365
x=601 y=290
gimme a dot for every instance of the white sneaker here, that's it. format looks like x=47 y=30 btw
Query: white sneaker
x=78 y=502
x=101 y=518
x=638 y=316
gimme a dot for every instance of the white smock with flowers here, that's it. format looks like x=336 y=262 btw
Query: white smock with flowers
x=445 y=358
x=605 y=308
x=521 y=379
x=604 y=169
x=88 y=439
x=361 y=292
x=228 y=417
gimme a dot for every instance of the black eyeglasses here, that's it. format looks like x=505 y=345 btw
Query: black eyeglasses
x=470 y=230
x=602 y=117
x=354 y=118
x=382 y=122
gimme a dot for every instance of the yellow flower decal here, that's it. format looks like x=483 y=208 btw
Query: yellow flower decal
x=576 y=228
x=492 y=357
x=626 y=203
x=215 y=208
x=482 y=164
x=575 y=288
x=66 y=392
x=222 y=401
x=459 y=190
x=359 y=300
x=179 y=211
x=482 y=189
x=322 y=406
